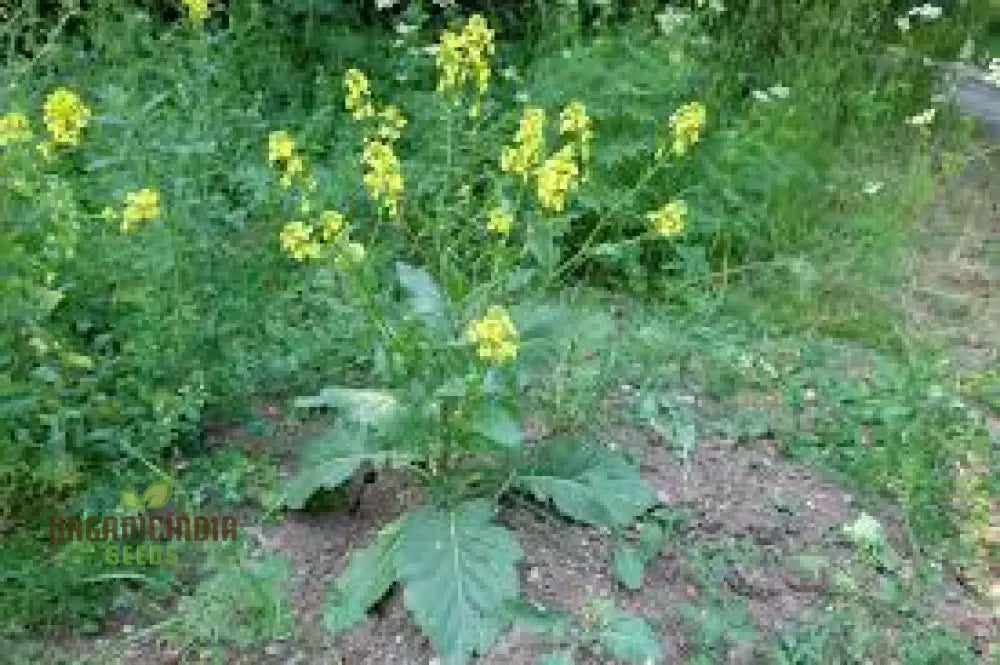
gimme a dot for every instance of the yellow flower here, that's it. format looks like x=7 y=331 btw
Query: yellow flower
x=142 y=205
x=392 y=124
x=529 y=141
x=65 y=116
x=382 y=178
x=296 y=239
x=574 y=120
x=463 y=58
x=293 y=167
x=495 y=335
x=668 y=220
x=280 y=146
x=555 y=179
x=197 y=10
x=358 y=100
x=687 y=123
x=331 y=224
x=352 y=254
x=14 y=128
x=499 y=221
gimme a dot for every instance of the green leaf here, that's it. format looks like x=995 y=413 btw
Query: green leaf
x=651 y=539
x=627 y=566
x=564 y=657
x=590 y=485
x=156 y=495
x=359 y=404
x=367 y=578
x=496 y=424
x=459 y=569
x=130 y=500
x=536 y=618
x=630 y=638
x=425 y=295
x=329 y=462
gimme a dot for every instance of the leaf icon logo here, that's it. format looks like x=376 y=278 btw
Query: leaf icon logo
x=130 y=501
x=155 y=496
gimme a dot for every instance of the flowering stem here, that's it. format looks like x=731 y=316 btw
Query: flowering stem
x=574 y=260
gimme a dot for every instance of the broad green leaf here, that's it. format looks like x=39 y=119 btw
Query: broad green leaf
x=587 y=484
x=329 y=462
x=130 y=500
x=651 y=539
x=496 y=424
x=425 y=295
x=564 y=657
x=631 y=639
x=459 y=570
x=156 y=495
x=627 y=566
x=361 y=405
x=367 y=578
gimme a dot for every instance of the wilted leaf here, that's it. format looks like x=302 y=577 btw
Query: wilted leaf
x=589 y=485
x=459 y=570
x=157 y=494
x=367 y=578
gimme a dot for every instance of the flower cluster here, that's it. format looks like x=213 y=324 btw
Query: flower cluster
x=383 y=178
x=574 y=121
x=140 y=206
x=65 y=116
x=558 y=173
x=669 y=219
x=391 y=123
x=922 y=119
x=926 y=11
x=463 y=58
x=198 y=10
x=498 y=220
x=556 y=177
x=282 y=155
x=14 y=128
x=529 y=143
x=327 y=237
x=494 y=335
x=686 y=124
x=359 y=95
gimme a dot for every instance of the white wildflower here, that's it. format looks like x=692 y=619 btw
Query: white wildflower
x=385 y=4
x=760 y=96
x=903 y=23
x=779 y=91
x=923 y=118
x=993 y=75
x=872 y=187
x=866 y=529
x=927 y=11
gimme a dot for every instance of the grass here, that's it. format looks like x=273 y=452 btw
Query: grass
x=785 y=312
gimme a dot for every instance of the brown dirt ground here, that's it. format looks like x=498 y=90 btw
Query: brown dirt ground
x=731 y=493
